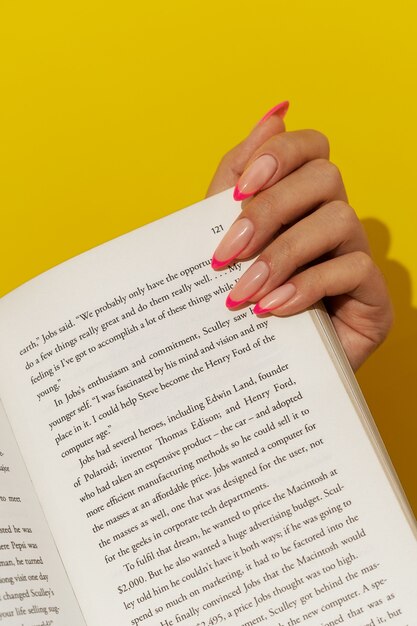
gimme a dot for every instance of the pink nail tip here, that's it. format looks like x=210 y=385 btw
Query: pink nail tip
x=231 y=304
x=238 y=195
x=258 y=310
x=280 y=108
x=216 y=264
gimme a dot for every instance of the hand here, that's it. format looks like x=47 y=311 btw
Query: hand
x=311 y=245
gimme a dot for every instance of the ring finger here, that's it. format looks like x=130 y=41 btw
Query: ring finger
x=303 y=243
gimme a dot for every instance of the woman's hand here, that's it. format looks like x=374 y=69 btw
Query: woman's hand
x=311 y=245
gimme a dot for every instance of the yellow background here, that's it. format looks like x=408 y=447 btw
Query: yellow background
x=116 y=113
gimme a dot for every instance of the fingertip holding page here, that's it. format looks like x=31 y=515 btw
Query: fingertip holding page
x=249 y=284
x=238 y=195
x=233 y=243
x=232 y=304
x=275 y=299
x=217 y=265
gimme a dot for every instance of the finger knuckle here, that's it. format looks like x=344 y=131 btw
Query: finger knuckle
x=312 y=282
x=264 y=206
x=345 y=215
x=318 y=280
x=333 y=174
x=230 y=156
x=286 y=253
x=225 y=160
x=363 y=264
x=328 y=172
x=280 y=146
x=234 y=160
x=287 y=247
x=322 y=140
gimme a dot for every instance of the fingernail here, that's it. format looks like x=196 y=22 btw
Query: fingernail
x=276 y=298
x=280 y=109
x=235 y=240
x=251 y=281
x=255 y=177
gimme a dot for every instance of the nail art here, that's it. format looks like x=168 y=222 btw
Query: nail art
x=280 y=109
x=275 y=299
x=255 y=176
x=251 y=281
x=235 y=240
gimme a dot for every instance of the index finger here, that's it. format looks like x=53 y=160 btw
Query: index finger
x=235 y=161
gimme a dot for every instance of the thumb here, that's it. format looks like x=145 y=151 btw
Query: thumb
x=233 y=163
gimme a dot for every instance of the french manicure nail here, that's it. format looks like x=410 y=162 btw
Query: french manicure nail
x=276 y=298
x=235 y=240
x=251 y=281
x=280 y=109
x=255 y=176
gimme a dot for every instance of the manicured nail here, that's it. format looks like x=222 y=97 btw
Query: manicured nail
x=235 y=240
x=276 y=298
x=251 y=281
x=255 y=177
x=280 y=109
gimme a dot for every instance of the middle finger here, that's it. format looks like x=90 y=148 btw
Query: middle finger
x=315 y=183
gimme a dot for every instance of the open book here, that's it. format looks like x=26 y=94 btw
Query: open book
x=166 y=461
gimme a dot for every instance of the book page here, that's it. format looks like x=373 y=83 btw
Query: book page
x=197 y=465
x=34 y=588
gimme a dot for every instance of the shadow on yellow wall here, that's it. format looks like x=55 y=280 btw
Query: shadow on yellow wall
x=389 y=378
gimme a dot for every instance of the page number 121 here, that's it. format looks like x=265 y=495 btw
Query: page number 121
x=217 y=229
